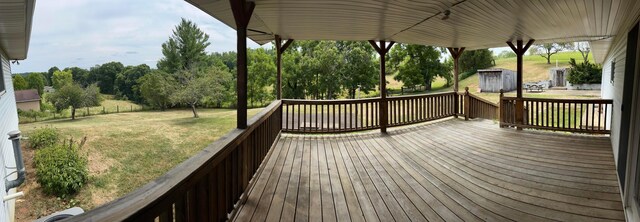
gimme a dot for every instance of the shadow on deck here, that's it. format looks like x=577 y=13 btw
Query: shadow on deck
x=450 y=170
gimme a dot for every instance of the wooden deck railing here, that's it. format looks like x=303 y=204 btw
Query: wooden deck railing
x=404 y=110
x=349 y=115
x=206 y=187
x=573 y=115
x=479 y=107
x=324 y=116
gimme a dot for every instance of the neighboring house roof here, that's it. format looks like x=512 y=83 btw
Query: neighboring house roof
x=470 y=24
x=15 y=27
x=28 y=95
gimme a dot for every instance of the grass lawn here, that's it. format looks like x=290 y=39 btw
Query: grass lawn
x=125 y=151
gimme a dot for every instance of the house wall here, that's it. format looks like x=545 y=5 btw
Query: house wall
x=8 y=122
x=612 y=88
x=31 y=105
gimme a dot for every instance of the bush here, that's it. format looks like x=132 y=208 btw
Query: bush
x=61 y=170
x=43 y=137
x=466 y=74
x=584 y=73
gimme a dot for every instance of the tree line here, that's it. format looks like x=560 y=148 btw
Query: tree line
x=187 y=76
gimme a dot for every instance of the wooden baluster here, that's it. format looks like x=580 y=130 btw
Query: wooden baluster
x=606 y=109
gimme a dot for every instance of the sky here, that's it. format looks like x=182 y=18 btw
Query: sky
x=84 y=33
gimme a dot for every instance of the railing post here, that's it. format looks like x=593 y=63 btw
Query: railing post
x=501 y=109
x=456 y=104
x=467 y=107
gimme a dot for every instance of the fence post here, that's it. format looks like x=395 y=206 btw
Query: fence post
x=117 y=109
x=501 y=109
x=88 y=113
x=131 y=108
x=467 y=108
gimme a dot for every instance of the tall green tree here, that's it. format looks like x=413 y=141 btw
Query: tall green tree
x=126 y=83
x=19 y=83
x=74 y=96
x=294 y=81
x=359 y=71
x=36 y=81
x=546 y=50
x=80 y=75
x=49 y=76
x=62 y=78
x=418 y=65
x=473 y=60
x=156 y=89
x=105 y=75
x=261 y=67
x=184 y=49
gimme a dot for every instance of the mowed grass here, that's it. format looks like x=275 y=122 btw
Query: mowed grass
x=128 y=150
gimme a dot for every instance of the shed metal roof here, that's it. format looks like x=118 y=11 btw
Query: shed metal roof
x=15 y=27
x=472 y=24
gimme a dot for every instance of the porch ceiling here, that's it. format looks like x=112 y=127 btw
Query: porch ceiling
x=472 y=23
x=15 y=27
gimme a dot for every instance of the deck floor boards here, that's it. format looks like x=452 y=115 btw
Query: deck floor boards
x=450 y=170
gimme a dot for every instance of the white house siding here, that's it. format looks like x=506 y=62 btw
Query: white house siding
x=8 y=122
x=613 y=89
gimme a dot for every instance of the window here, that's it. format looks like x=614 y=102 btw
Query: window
x=613 y=70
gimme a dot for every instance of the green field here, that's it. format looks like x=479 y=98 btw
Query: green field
x=125 y=151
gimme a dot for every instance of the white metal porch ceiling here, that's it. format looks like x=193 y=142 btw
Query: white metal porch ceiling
x=15 y=27
x=472 y=24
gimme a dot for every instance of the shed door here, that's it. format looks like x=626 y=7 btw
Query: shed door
x=559 y=78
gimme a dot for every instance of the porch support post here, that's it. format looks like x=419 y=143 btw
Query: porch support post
x=382 y=51
x=456 y=53
x=520 y=49
x=279 y=50
x=242 y=12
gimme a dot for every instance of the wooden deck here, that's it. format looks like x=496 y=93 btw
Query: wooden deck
x=446 y=171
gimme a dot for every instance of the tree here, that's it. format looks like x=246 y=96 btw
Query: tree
x=80 y=75
x=294 y=81
x=418 y=65
x=584 y=48
x=548 y=49
x=359 y=70
x=62 y=78
x=261 y=68
x=74 y=96
x=36 y=81
x=156 y=89
x=184 y=49
x=584 y=73
x=49 y=75
x=126 y=83
x=19 y=83
x=195 y=88
x=105 y=75
x=506 y=54
x=471 y=61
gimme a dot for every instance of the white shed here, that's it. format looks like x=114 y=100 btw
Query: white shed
x=493 y=80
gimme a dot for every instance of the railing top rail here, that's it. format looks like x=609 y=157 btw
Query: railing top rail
x=157 y=190
x=334 y=101
x=484 y=100
x=604 y=101
x=420 y=95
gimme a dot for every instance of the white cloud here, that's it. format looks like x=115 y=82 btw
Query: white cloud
x=84 y=33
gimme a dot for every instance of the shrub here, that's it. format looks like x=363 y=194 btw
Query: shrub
x=61 y=169
x=584 y=73
x=43 y=137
